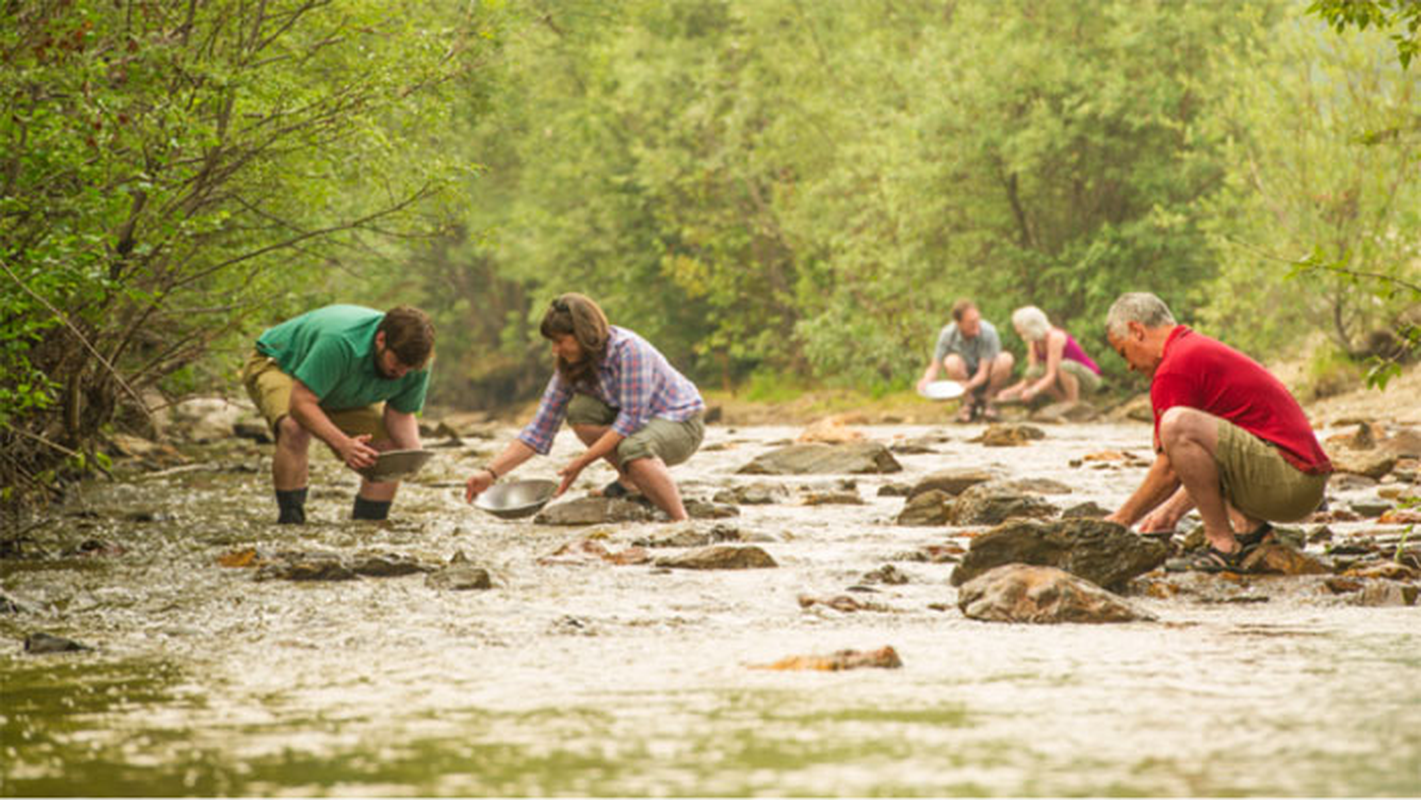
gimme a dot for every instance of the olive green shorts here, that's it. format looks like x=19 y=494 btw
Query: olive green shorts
x=1258 y=481
x=672 y=442
x=270 y=390
x=1090 y=382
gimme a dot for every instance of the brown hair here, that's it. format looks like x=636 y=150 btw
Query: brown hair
x=410 y=334
x=576 y=315
x=960 y=308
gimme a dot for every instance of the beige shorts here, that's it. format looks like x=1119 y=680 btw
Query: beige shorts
x=672 y=442
x=1258 y=481
x=270 y=390
x=1089 y=381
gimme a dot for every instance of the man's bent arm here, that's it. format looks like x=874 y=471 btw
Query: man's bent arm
x=306 y=410
x=1160 y=482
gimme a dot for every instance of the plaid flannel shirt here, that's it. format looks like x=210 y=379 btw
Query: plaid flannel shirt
x=634 y=378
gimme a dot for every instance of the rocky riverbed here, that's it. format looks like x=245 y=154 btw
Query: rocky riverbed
x=808 y=633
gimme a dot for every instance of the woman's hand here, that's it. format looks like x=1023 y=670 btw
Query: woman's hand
x=569 y=474
x=477 y=485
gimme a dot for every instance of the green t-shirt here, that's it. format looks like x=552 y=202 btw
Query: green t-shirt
x=332 y=351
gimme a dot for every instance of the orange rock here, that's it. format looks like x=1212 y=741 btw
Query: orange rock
x=883 y=658
x=239 y=558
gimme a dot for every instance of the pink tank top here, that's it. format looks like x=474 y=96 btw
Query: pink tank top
x=1071 y=351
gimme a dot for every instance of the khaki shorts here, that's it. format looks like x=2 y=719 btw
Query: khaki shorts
x=270 y=389
x=1258 y=481
x=672 y=442
x=1090 y=382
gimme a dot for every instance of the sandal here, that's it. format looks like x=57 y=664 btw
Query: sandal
x=989 y=413
x=1248 y=541
x=967 y=412
x=1209 y=559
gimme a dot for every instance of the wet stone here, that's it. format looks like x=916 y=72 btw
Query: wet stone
x=591 y=551
x=1371 y=463
x=44 y=643
x=842 y=602
x=831 y=499
x=1066 y=411
x=922 y=445
x=928 y=508
x=1009 y=435
x=594 y=511
x=1281 y=559
x=1370 y=509
x=854 y=458
x=697 y=508
x=759 y=493
x=1102 y=552
x=1387 y=594
x=1041 y=595
x=720 y=557
x=951 y=481
x=996 y=502
x=894 y=490
x=458 y=576
x=886 y=574
x=1088 y=510
x=1038 y=485
x=686 y=537
x=882 y=658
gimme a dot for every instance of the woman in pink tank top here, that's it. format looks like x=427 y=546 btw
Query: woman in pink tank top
x=1056 y=365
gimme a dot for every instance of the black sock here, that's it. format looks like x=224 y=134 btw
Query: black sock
x=370 y=509
x=292 y=505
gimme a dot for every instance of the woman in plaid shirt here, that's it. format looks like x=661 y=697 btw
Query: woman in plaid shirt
x=621 y=397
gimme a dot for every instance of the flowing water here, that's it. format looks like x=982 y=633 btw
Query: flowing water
x=604 y=679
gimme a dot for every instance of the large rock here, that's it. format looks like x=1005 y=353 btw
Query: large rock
x=855 y=458
x=1021 y=593
x=995 y=502
x=721 y=556
x=1102 y=552
x=951 y=481
x=594 y=511
x=928 y=508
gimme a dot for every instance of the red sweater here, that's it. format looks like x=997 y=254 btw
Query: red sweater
x=1198 y=372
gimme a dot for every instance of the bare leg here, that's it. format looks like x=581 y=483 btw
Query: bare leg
x=654 y=480
x=1190 y=438
x=291 y=464
x=591 y=433
x=1068 y=386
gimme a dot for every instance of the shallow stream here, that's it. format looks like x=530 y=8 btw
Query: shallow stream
x=634 y=680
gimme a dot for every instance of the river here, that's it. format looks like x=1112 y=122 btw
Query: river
x=634 y=680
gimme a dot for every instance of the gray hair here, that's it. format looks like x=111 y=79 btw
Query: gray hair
x=1032 y=323
x=1141 y=307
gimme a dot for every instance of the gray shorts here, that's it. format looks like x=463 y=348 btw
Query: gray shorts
x=672 y=442
x=1089 y=381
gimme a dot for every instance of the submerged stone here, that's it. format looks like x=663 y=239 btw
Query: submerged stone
x=951 y=481
x=755 y=494
x=1041 y=595
x=43 y=643
x=1009 y=435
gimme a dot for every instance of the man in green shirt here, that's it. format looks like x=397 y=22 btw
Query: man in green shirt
x=350 y=376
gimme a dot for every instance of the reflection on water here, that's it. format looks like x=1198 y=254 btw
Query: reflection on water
x=632 y=680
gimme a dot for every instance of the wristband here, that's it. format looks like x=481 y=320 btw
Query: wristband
x=489 y=470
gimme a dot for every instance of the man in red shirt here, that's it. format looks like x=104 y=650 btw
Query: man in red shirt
x=1230 y=440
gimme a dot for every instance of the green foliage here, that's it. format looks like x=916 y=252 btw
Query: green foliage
x=1362 y=14
x=169 y=169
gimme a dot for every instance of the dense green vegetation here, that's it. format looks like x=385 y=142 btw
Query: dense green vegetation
x=770 y=190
